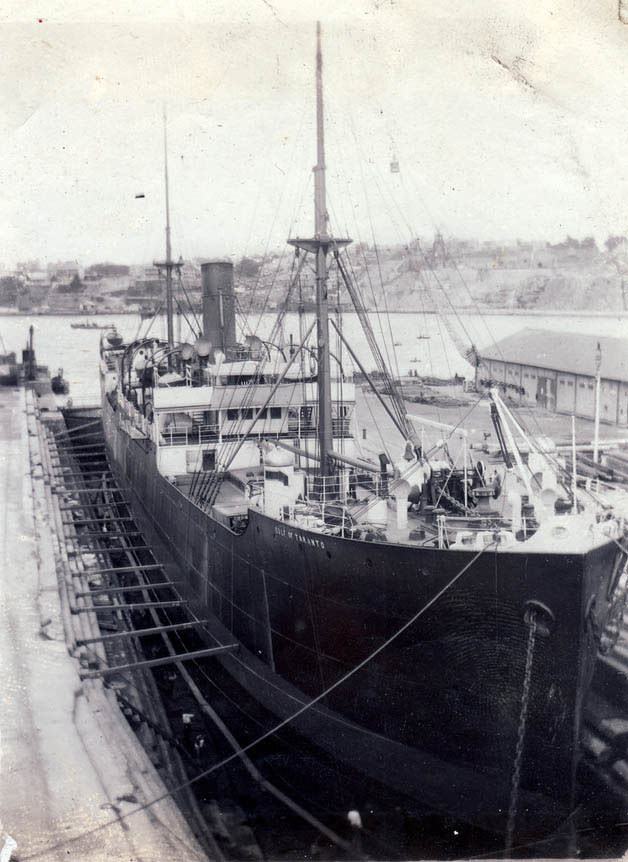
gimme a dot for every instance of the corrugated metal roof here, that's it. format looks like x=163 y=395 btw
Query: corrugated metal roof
x=563 y=351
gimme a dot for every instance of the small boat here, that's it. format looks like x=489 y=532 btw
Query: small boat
x=415 y=360
x=114 y=339
x=421 y=337
x=90 y=324
x=59 y=385
x=8 y=369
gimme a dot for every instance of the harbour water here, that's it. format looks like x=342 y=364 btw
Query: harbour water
x=409 y=342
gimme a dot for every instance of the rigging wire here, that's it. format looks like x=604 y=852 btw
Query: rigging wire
x=308 y=180
x=150 y=324
x=478 y=311
x=391 y=339
x=254 y=382
x=366 y=398
x=199 y=327
x=286 y=742
x=384 y=293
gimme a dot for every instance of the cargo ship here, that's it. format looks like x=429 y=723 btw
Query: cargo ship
x=430 y=627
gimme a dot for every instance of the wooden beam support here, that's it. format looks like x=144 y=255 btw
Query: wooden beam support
x=86 y=491
x=75 y=506
x=148 y=567
x=101 y=535
x=77 y=428
x=92 y=550
x=65 y=438
x=68 y=473
x=154 y=630
x=98 y=457
x=92 y=490
x=130 y=606
x=82 y=475
x=156 y=662
x=81 y=522
x=99 y=591
x=71 y=447
x=69 y=483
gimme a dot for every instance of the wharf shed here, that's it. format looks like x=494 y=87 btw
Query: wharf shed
x=556 y=370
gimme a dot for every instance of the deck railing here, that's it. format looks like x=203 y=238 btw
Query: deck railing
x=200 y=434
x=341 y=488
x=339 y=428
x=193 y=436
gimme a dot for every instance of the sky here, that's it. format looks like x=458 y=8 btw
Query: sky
x=507 y=119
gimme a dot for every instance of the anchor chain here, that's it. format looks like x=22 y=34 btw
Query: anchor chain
x=443 y=492
x=619 y=601
x=530 y=619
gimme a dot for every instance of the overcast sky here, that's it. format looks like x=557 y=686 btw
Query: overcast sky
x=508 y=119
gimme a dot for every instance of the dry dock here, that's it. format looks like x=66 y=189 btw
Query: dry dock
x=76 y=783
x=74 y=778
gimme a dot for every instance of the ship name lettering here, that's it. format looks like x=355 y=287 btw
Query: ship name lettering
x=299 y=537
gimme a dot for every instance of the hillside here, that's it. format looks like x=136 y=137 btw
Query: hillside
x=573 y=275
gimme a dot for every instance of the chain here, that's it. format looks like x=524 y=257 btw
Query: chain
x=443 y=492
x=523 y=718
x=609 y=635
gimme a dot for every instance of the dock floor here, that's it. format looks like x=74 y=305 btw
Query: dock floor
x=63 y=780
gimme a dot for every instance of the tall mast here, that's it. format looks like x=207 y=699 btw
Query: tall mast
x=325 y=436
x=320 y=192
x=320 y=246
x=169 y=309
x=168 y=264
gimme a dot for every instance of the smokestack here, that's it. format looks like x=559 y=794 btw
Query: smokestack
x=218 y=304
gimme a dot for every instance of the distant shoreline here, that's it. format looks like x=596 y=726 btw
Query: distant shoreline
x=477 y=312
x=519 y=312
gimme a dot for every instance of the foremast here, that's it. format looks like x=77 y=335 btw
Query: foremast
x=168 y=265
x=320 y=246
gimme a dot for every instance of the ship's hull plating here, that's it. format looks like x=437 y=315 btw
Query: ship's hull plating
x=435 y=714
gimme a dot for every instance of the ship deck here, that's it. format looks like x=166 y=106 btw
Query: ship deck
x=232 y=500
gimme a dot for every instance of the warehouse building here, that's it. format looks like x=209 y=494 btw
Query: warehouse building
x=557 y=370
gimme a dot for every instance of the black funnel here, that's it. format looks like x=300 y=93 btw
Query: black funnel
x=219 y=305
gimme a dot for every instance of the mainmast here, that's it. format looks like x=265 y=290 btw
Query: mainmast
x=320 y=191
x=320 y=246
x=168 y=264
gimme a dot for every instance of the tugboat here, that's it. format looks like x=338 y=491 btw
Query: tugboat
x=429 y=626
x=9 y=372
x=90 y=324
x=59 y=385
x=114 y=339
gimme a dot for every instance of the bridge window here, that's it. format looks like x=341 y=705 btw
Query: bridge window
x=275 y=412
x=233 y=415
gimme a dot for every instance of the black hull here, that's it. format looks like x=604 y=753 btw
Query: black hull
x=435 y=715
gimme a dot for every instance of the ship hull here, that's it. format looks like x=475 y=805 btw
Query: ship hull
x=436 y=713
